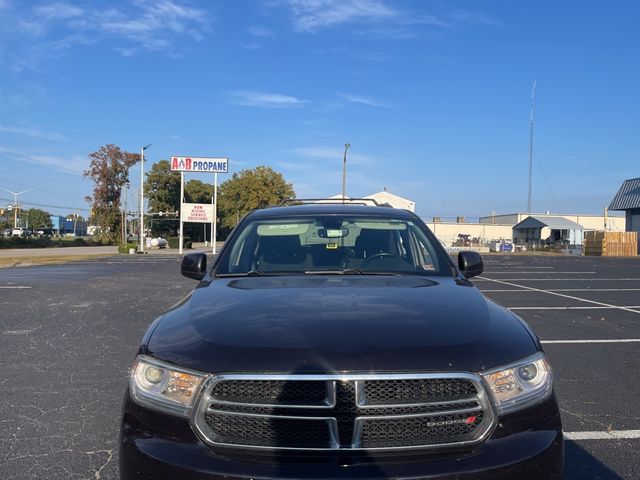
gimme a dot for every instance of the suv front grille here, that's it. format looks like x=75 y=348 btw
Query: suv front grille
x=344 y=412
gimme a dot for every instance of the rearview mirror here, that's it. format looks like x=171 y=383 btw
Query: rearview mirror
x=470 y=263
x=333 y=232
x=194 y=265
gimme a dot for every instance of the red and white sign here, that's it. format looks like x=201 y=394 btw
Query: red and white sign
x=200 y=164
x=197 y=212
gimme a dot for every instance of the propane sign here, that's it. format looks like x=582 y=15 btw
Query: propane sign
x=197 y=212
x=200 y=164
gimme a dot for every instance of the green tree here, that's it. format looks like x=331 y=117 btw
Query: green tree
x=250 y=189
x=162 y=188
x=74 y=216
x=109 y=170
x=196 y=191
x=38 y=219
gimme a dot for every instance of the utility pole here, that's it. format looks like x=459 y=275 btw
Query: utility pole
x=16 y=206
x=214 y=234
x=142 y=196
x=344 y=172
x=126 y=213
x=533 y=93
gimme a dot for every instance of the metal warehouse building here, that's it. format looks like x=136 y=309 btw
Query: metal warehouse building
x=628 y=200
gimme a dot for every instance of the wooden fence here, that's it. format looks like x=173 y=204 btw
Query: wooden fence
x=611 y=244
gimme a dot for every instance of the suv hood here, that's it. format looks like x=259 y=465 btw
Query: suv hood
x=338 y=323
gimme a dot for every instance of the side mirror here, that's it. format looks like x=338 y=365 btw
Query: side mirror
x=470 y=263
x=194 y=265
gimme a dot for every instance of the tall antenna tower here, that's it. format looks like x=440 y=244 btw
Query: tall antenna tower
x=533 y=97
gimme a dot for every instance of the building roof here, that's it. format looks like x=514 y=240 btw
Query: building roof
x=554 y=223
x=395 y=201
x=628 y=197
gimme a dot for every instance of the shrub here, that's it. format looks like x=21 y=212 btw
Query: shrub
x=124 y=247
x=174 y=242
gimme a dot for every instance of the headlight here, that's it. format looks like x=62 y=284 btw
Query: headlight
x=521 y=384
x=164 y=387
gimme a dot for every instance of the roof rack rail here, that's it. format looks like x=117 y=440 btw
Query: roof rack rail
x=346 y=201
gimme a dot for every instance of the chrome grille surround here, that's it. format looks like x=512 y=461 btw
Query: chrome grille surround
x=208 y=406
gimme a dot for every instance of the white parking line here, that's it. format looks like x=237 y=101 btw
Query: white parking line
x=616 y=340
x=608 y=307
x=513 y=290
x=557 y=294
x=637 y=279
x=600 y=435
x=15 y=286
x=540 y=273
x=497 y=290
x=520 y=265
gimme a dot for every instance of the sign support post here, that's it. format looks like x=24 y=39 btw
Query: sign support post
x=214 y=233
x=181 y=202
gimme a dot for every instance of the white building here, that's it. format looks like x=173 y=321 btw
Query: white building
x=394 y=200
x=383 y=197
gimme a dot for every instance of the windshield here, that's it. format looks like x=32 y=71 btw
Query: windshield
x=318 y=244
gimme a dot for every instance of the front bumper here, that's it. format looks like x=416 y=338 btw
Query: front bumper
x=525 y=445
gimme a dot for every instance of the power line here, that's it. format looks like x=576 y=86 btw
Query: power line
x=47 y=205
x=52 y=192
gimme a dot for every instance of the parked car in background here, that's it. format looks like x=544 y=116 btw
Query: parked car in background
x=18 y=232
x=339 y=341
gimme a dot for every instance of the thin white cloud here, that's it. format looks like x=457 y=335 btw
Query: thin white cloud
x=251 y=46
x=47 y=30
x=313 y=15
x=332 y=153
x=362 y=100
x=159 y=26
x=31 y=132
x=266 y=100
x=260 y=31
x=381 y=17
x=57 y=10
x=472 y=17
x=73 y=165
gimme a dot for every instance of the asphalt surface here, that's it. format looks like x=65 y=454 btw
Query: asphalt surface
x=68 y=334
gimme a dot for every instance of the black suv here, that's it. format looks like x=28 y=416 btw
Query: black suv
x=339 y=341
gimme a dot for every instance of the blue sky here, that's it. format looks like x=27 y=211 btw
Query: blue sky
x=432 y=95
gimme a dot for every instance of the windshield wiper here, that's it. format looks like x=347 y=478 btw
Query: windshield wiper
x=251 y=273
x=357 y=271
x=349 y=271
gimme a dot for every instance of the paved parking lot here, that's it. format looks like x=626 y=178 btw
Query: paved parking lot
x=586 y=311
x=68 y=334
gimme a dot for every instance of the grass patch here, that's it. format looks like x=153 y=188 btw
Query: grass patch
x=6 y=262
x=45 y=242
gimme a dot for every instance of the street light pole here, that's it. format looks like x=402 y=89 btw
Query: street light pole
x=141 y=225
x=15 y=204
x=344 y=172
